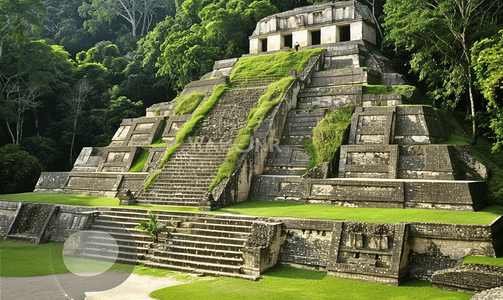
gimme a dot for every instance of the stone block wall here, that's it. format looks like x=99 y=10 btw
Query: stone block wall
x=468 y=278
x=51 y=182
x=312 y=25
x=414 y=249
x=8 y=213
x=451 y=195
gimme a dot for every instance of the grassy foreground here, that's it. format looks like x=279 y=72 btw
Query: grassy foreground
x=83 y=200
x=289 y=283
x=22 y=260
x=363 y=214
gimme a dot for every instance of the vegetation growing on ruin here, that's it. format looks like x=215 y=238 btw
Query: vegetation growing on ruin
x=271 y=65
x=459 y=132
x=187 y=104
x=328 y=135
x=139 y=161
x=151 y=179
x=292 y=283
x=276 y=66
x=483 y=260
x=267 y=101
x=183 y=134
x=363 y=214
x=386 y=89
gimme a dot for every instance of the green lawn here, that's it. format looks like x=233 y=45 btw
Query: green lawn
x=83 y=200
x=289 y=283
x=483 y=260
x=22 y=260
x=362 y=214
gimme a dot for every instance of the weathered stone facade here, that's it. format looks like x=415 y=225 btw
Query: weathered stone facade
x=314 y=25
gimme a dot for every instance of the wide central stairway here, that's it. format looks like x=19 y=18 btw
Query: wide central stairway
x=198 y=243
x=185 y=178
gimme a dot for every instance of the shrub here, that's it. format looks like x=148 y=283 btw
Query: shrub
x=19 y=171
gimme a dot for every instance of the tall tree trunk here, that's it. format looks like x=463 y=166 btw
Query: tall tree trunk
x=10 y=132
x=73 y=139
x=472 y=108
x=1 y=47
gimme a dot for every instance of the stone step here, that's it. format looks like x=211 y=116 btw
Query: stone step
x=221 y=227
x=204 y=251
x=109 y=254
x=208 y=238
x=205 y=245
x=120 y=260
x=195 y=270
x=110 y=245
x=284 y=171
x=196 y=258
x=218 y=233
x=205 y=266
x=327 y=91
x=117 y=228
x=169 y=203
x=131 y=242
x=170 y=187
x=176 y=191
x=172 y=197
x=231 y=220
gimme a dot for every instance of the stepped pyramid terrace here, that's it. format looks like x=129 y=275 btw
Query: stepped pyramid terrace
x=244 y=132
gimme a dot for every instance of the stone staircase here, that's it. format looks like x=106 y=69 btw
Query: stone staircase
x=185 y=178
x=289 y=157
x=198 y=243
x=336 y=88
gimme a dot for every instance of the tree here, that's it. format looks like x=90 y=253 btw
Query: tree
x=152 y=226
x=19 y=19
x=487 y=59
x=35 y=69
x=440 y=35
x=137 y=13
x=19 y=171
x=75 y=102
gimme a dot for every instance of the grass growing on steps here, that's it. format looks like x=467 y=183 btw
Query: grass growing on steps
x=151 y=179
x=187 y=104
x=247 y=68
x=362 y=214
x=266 y=102
x=271 y=65
x=83 y=200
x=139 y=161
x=483 y=260
x=290 y=283
x=203 y=111
x=386 y=89
x=328 y=135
